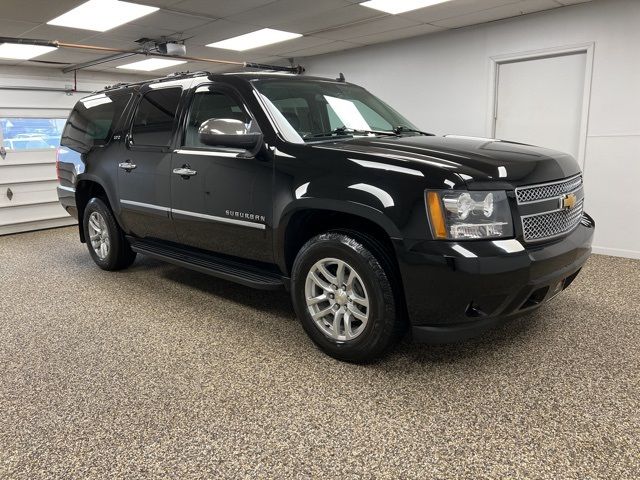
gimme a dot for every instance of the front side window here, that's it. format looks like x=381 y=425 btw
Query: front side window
x=323 y=109
x=154 y=119
x=210 y=103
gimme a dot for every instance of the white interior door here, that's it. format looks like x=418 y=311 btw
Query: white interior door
x=540 y=101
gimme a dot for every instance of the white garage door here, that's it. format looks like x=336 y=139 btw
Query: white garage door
x=28 y=198
x=540 y=101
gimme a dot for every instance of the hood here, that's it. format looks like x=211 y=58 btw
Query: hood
x=476 y=161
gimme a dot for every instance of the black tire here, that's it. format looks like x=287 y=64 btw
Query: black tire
x=383 y=328
x=119 y=254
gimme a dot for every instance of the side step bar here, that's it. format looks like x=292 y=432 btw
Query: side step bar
x=245 y=274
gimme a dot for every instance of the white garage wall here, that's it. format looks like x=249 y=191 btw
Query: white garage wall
x=28 y=197
x=29 y=103
x=443 y=83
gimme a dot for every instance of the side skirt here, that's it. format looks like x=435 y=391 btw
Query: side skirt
x=215 y=265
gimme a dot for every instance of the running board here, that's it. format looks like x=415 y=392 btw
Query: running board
x=211 y=264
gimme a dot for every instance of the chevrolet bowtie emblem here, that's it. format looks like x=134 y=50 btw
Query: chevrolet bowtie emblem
x=568 y=201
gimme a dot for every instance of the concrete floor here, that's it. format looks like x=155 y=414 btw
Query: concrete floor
x=161 y=372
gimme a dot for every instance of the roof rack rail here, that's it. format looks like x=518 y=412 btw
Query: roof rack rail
x=116 y=85
x=166 y=78
x=176 y=75
x=187 y=73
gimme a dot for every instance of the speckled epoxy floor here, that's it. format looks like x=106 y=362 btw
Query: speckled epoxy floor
x=160 y=372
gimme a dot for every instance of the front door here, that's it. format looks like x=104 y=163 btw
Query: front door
x=220 y=201
x=144 y=166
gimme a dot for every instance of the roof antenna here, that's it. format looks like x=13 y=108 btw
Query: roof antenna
x=341 y=78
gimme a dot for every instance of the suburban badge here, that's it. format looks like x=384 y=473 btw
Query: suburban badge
x=245 y=216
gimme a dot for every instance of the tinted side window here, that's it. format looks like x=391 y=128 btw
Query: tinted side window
x=154 y=118
x=211 y=104
x=93 y=120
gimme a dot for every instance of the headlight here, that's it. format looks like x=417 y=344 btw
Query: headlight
x=461 y=215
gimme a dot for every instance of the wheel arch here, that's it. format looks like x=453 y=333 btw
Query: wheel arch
x=308 y=218
x=87 y=188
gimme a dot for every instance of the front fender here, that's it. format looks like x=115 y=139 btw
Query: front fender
x=365 y=211
x=330 y=206
x=311 y=178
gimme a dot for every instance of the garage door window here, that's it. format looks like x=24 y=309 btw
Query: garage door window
x=154 y=119
x=31 y=133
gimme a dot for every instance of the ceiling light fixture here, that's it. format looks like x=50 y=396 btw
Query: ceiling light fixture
x=16 y=51
x=102 y=15
x=259 y=38
x=151 y=64
x=400 y=6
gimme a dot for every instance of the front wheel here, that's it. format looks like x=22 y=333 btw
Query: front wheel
x=105 y=239
x=344 y=297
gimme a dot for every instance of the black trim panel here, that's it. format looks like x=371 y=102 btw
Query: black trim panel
x=211 y=264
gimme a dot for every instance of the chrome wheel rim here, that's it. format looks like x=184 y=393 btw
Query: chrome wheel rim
x=337 y=299
x=99 y=235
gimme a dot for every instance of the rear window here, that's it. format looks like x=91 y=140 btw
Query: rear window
x=93 y=120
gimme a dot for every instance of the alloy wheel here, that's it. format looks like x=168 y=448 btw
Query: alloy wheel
x=337 y=299
x=99 y=235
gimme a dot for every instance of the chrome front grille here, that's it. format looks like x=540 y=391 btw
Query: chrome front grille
x=545 y=191
x=546 y=211
x=552 y=224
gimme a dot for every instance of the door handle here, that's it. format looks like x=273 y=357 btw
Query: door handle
x=127 y=166
x=185 y=171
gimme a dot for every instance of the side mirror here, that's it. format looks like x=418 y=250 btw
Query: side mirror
x=228 y=132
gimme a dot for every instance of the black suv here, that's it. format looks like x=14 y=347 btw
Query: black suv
x=315 y=185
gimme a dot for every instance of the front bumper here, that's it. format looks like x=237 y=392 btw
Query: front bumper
x=457 y=290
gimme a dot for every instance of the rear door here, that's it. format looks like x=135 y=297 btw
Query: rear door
x=144 y=166
x=225 y=206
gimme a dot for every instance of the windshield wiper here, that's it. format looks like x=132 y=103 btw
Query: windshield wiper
x=348 y=131
x=400 y=129
x=335 y=131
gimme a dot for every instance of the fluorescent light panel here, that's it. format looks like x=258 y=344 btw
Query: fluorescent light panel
x=151 y=64
x=17 y=51
x=400 y=6
x=259 y=38
x=102 y=15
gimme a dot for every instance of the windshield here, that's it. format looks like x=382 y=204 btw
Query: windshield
x=317 y=110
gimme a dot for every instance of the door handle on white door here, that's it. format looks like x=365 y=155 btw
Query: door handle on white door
x=128 y=166
x=185 y=171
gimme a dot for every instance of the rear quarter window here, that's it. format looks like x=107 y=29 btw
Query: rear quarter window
x=93 y=120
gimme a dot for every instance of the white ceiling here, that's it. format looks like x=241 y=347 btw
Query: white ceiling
x=327 y=25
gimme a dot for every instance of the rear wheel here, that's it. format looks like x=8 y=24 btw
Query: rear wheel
x=344 y=298
x=105 y=239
